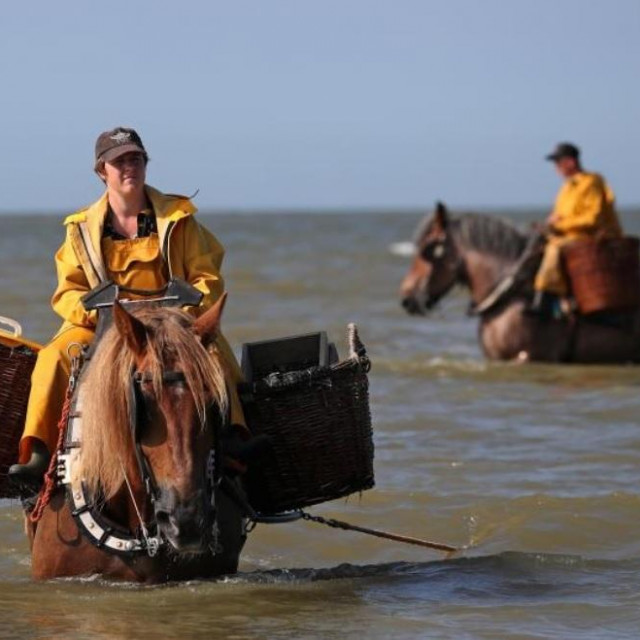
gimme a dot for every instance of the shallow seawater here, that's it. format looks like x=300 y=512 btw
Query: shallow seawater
x=534 y=469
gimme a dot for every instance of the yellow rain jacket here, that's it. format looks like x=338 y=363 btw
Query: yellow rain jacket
x=189 y=250
x=585 y=207
x=182 y=248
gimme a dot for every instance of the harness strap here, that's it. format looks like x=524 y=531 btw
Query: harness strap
x=494 y=296
x=136 y=409
x=102 y=533
x=504 y=285
x=94 y=259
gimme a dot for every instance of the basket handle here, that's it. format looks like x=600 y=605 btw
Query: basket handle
x=357 y=350
x=16 y=327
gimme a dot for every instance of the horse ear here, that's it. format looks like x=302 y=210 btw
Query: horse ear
x=130 y=328
x=207 y=325
x=441 y=215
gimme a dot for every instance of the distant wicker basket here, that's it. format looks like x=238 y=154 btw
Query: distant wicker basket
x=319 y=422
x=604 y=273
x=16 y=364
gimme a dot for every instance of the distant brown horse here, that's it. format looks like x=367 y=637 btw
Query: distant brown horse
x=142 y=498
x=496 y=262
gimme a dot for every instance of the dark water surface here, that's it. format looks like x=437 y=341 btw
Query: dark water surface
x=535 y=468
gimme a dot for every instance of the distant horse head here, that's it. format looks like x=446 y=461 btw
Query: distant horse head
x=435 y=265
x=472 y=249
x=153 y=396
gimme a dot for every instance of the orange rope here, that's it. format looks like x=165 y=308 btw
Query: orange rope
x=49 y=486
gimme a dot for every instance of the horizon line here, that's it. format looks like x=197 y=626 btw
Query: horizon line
x=332 y=210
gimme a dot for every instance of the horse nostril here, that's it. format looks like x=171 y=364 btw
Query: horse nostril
x=168 y=523
x=410 y=305
x=163 y=518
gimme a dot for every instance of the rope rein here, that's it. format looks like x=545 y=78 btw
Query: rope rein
x=50 y=477
x=152 y=544
x=345 y=526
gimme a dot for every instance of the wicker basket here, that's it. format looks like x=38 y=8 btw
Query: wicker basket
x=321 y=437
x=604 y=273
x=16 y=363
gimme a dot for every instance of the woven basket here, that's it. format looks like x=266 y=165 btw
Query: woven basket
x=321 y=437
x=16 y=364
x=604 y=273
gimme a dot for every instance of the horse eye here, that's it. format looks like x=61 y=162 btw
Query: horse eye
x=180 y=386
x=434 y=251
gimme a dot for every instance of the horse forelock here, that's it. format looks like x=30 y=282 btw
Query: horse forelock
x=488 y=234
x=106 y=389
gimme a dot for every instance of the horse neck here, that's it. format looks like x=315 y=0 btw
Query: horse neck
x=482 y=271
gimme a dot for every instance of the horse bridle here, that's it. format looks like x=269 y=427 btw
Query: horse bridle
x=86 y=509
x=438 y=253
x=136 y=420
x=137 y=416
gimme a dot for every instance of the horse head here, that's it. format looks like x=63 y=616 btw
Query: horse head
x=435 y=267
x=167 y=389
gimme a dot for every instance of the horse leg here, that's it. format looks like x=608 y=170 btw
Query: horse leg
x=29 y=530
x=232 y=534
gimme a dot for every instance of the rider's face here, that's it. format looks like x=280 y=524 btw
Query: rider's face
x=566 y=166
x=126 y=174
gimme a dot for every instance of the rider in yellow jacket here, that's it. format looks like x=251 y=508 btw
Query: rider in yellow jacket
x=141 y=248
x=584 y=207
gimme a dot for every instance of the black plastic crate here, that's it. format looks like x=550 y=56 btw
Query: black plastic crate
x=294 y=353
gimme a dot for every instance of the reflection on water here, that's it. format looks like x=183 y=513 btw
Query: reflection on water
x=535 y=467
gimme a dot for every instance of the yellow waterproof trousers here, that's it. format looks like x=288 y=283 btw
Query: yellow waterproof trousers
x=135 y=263
x=49 y=382
x=551 y=276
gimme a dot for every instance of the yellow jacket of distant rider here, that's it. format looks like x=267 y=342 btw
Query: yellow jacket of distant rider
x=585 y=206
x=189 y=250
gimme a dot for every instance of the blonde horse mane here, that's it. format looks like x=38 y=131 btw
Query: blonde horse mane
x=106 y=391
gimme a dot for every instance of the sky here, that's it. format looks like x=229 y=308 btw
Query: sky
x=289 y=104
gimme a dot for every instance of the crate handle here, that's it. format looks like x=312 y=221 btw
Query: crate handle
x=356 y=348
x=14 y=324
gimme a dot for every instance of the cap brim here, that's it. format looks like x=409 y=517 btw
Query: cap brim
x=116 y=152
x=552 y=157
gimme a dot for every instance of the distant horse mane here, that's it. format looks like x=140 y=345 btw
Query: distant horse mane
x=488 y=234
x=106 y=436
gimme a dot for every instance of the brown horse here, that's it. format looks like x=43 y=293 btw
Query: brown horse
x=142 y=499
x=496 y=262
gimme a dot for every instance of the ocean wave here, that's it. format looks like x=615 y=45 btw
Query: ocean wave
x=405 y=249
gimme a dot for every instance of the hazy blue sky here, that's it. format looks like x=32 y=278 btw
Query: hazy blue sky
x=332 y=103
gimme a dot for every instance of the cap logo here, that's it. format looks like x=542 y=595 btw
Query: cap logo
x=121 y=137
